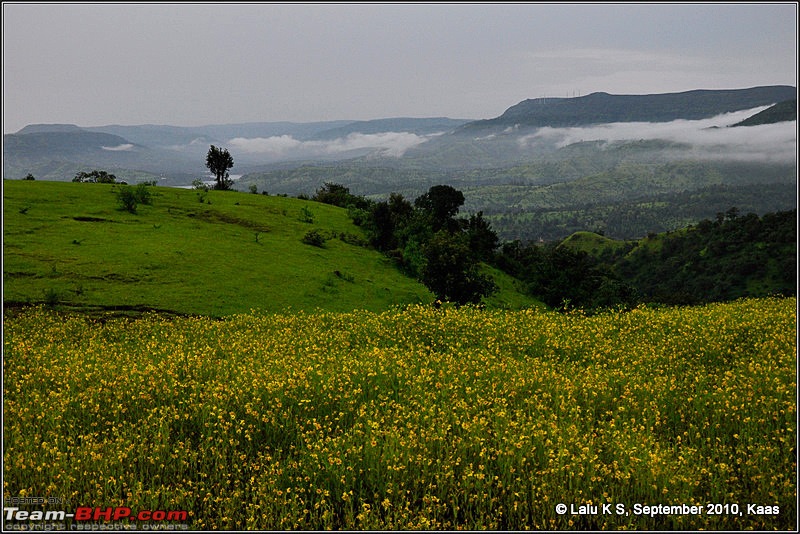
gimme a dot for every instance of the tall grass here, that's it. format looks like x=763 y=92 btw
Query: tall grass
x=414 y=418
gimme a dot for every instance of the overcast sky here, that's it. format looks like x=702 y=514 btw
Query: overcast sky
x=207 y=63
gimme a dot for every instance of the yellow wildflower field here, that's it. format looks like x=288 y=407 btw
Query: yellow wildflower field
x=414 y=418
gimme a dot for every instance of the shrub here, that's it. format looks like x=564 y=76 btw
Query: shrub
x=130 y=197
x=352 y=239
x=143 y=194
x=306 y=215
x=199 y=185
x=126 y=196
x=51 y=296
x=315 y=238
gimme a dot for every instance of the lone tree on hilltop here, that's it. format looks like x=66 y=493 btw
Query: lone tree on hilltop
x=219 y=161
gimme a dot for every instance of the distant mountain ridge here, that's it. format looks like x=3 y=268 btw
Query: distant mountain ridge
x=154 y=134
x=599 y=108
x=50 y=128
x=174 y=153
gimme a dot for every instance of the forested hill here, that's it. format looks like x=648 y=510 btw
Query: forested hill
x=730 y=257
x=780 y=112
x=597 y=108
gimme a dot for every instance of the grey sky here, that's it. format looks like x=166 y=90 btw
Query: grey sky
x=207 y=63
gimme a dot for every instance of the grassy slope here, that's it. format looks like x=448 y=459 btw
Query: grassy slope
x=240 y=252
x=595 y=244
x=591 y=243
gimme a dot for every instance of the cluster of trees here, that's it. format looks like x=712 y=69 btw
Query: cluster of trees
x=445 y=252
x=716 y=260
x=95 y=177
x=426 y=238
x=564 y=278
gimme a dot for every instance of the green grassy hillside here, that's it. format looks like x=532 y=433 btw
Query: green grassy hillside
x=591 y=243
x=212 y=253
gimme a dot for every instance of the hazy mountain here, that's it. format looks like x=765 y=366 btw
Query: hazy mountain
x=57 y=152
x=174 y=136
x=601 y=108
x=29 y=152
x=626 y=178
x=177 y=154
x=538 y=128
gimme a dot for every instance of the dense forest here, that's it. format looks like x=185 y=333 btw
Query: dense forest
x=731 y=257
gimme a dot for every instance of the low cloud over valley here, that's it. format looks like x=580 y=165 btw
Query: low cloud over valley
x=392 y=144
x=119 y=148
x=715 y=138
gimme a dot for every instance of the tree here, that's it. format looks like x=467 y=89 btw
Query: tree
x=219 y=161
x=381 y=228
x=441 y=203
x=482 y=239
x=451 y=271
x=387 y=220
x=333 y=194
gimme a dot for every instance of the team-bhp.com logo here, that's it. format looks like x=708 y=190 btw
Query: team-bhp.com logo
x=88 y=513
x=94 y=518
